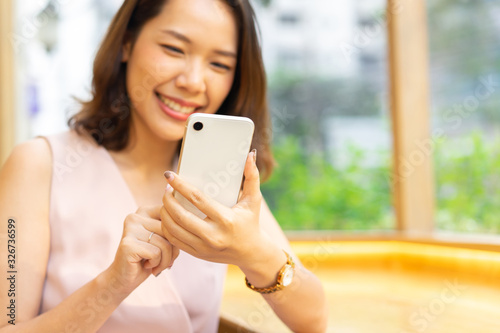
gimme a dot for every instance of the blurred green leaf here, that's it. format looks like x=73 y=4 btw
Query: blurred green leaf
x=308 y=193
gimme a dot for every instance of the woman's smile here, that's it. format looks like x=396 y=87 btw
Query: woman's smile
x=177 y=108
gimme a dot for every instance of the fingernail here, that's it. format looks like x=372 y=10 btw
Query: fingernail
x=254 y=151
x=168 y=175
x=157 y=274
x=169 y=188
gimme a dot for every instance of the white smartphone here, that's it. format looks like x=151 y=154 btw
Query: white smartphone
x=213 y=156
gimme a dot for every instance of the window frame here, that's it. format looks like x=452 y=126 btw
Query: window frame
x=7 y=82
x=412 y=173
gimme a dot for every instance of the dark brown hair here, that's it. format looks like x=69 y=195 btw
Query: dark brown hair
x=107 y=115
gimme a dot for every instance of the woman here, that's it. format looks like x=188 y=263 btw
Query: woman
x=87 y=262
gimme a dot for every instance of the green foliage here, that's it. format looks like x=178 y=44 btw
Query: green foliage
x=468 y=184
x=308 y=193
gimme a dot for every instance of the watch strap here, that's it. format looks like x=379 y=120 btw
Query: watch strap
x=277 y=286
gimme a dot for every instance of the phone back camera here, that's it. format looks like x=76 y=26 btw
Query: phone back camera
x=198 y=126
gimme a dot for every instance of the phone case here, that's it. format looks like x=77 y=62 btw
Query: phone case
x=213 y=158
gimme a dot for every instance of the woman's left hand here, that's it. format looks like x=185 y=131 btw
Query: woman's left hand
x=226 y=235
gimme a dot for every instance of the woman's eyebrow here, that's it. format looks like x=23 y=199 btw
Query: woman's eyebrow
x=187 y=40
x=226 y=53
x=177 y=35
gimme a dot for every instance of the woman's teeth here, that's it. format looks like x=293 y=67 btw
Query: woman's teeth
x=175 y=106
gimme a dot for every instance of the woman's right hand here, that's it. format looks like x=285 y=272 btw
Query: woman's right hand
x=143 y=250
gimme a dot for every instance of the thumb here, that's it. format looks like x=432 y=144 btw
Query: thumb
x=251 y=186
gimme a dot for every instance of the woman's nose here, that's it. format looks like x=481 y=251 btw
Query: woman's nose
x=192 y=78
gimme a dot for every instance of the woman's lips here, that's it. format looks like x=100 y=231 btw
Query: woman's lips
x=174 y=109
x=179 y=101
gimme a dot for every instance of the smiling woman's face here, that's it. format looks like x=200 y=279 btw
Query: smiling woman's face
x=183 y=61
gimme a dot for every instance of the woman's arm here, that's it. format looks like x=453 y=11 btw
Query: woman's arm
x=301 y=305
x=24 y=198
x=84 y=311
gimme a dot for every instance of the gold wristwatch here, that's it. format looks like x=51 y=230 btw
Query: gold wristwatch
x=285 y=277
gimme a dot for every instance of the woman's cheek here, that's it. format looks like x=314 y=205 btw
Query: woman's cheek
x=225 y=87
x=166 y=68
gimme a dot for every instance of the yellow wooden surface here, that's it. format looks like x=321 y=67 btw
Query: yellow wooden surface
x=388 y=287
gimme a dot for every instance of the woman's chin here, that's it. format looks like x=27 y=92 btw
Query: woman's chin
x=170 y=132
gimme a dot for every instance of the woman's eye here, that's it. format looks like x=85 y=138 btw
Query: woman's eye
x=172 y=48
x=221 y=66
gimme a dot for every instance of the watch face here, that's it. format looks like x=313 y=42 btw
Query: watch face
x=287 y=275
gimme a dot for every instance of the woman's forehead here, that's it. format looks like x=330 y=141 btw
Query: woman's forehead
x=209 y=16
x=205 y=23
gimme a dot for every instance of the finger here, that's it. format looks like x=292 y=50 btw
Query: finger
x=150 y=233
x=210 y=207
x=152 y=242
x=184 y=218
x=166 y=253
x=175 y=254
x=251 y=194
x=149 y=218
x=150 y=211
x=147 y=252
x=140 y=227
x=154 y=261
x=152 y=225
x=176 y=235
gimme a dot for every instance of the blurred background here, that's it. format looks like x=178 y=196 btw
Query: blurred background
x=327 y=66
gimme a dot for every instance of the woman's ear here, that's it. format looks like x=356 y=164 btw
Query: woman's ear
x=126 y=51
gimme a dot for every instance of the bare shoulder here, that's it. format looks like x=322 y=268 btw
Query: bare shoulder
x=25 y=179
x=32 y=153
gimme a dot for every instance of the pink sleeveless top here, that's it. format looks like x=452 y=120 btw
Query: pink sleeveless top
x=89 y=201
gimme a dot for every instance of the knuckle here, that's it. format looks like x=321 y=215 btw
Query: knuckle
x=185 y=215
x=132 y=218
x=128 y=223
x=174 y=242
x=178 y=216
x=196 y=197
x=172 y=216
x=229 y=222
x=217 y=243
x=127 y=242
x=164 y=229
x=129 y=218
x=156 y=251
x=163 y=214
